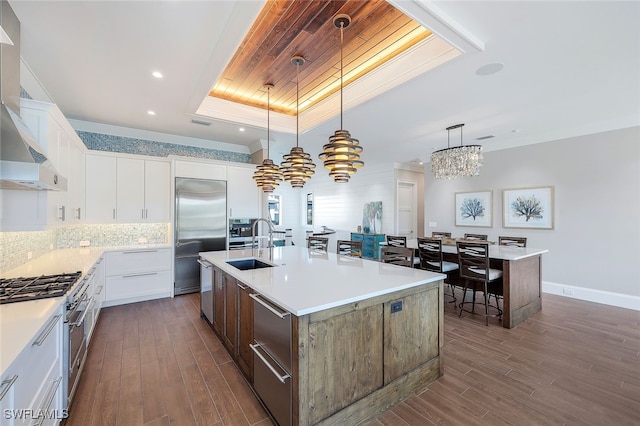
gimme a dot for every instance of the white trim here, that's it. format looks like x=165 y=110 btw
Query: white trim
x=620 y=300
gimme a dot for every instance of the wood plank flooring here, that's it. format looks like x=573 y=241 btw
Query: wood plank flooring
x=574 y=363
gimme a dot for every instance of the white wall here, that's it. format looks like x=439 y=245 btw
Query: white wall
x=594 y=248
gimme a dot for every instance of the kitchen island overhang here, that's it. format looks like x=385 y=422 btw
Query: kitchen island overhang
x=365 y=335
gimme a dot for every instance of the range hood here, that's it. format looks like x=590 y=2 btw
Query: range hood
x=23 y=164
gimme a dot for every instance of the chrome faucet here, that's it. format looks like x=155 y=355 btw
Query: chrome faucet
x=253 y=236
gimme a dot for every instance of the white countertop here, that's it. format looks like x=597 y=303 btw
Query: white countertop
x=303 y=282
x=20 y=321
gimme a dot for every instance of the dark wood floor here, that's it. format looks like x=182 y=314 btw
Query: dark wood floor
x=574 y=363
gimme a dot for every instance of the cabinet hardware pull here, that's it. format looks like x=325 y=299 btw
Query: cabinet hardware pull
x=242 y=286
x=283 y=379
x=139 y=275
x=205 y=263
x=79 y=215
x=146 y=213
x=62 y=213
x=43 y=336
x=139 y=251
x=142 y=213
x=114 y=213
x=6 y=385
x=47 y=401
x=256 y=297
x=99 y=289
x=84 y=314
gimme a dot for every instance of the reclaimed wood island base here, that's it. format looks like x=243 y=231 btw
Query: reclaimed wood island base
x=366 y=337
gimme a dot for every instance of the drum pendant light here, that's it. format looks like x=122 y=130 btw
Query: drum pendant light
x=297 y=166
x=268 y=175
x=341 y=156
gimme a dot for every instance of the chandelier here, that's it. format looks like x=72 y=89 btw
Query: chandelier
x=297 y=166
x=267 y=174
x=341 y=156
x=458 y=161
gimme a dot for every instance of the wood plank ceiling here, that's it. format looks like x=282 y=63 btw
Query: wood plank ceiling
x=377 y=33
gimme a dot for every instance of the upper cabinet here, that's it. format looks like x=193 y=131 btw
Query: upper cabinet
x=31 y=210
x=244 y=198
x=123 y=189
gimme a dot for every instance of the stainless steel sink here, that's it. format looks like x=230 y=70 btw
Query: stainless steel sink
x=246 y=264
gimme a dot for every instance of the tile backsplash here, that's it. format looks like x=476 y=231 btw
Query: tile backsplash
x=16 y=246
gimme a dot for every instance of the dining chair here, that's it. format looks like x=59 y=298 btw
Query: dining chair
x=396 y=241
x=430 y=255
x=440 y=234
x=318 y=243
x=481 y=237
x=512 y=241
x=473 y=262
x=349 y=248
x=402 y=256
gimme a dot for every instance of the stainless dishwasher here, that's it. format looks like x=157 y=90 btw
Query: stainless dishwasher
x=272 y=355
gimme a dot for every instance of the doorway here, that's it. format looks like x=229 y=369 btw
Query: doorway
x=406 y=213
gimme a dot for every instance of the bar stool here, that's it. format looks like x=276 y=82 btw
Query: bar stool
x=402 y=256
x=349 y=248
x=473 y=262
x=318 y=243
x=440 y=234
x=430 y=254
x=481 y=237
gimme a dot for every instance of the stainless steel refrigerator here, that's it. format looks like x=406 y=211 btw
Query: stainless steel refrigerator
x=200 y=225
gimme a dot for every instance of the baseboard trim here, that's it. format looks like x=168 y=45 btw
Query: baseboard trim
x=591 y=295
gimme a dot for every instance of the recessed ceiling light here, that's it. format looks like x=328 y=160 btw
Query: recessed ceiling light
x=515 y=131
x=241 y=129
x=490 y=68
x=157 y=74
x=151 y=112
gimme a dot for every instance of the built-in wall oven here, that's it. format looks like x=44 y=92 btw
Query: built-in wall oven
x=78 y=305
x=272 y=360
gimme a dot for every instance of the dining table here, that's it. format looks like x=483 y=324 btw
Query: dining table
x=521 y=277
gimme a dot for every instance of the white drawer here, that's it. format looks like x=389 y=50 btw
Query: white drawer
x=138 y=260
x=138 y=285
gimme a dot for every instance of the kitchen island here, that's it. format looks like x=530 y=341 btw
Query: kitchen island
x=362 y=335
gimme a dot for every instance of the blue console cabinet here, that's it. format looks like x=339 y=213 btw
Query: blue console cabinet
x=370 y=243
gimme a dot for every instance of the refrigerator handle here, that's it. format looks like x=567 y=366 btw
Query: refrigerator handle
x=177 y=226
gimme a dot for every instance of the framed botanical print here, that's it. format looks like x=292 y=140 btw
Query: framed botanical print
x=528 y=208
x=474 y=208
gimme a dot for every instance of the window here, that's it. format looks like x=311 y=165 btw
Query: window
x=275 y=209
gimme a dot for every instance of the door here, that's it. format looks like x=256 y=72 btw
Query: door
x=406 y=214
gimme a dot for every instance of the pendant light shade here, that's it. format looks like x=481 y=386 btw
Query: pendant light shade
x=458 y=161
x=297 y=166
x=341 y=156
x=268 y=175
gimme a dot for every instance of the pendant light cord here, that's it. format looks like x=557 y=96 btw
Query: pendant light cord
x=341 y=71
x=297 y=103
x=268 y=114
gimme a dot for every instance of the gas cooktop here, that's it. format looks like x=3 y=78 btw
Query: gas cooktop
x=22 y=289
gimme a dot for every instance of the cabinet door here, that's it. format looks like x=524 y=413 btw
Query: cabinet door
x=130 y=190
x=245 y=330
x=218 y=301
x=76 y=181
x=142 y=286
x=157 y=191
x=243 y=195
x=231 y=314
x=100 y=189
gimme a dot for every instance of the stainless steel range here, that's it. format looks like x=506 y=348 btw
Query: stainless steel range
x=77 y=305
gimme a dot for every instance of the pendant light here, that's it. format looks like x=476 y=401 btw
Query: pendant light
x=341 y=156
x=297 y=166
x=459 y=161
x=267 y=174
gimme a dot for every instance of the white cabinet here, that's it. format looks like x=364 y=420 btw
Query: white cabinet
x=125 y=190
x=33 y=382
x=100 y=189
x=34 y=210
x=96 y=294
x=75 y=212
x=243 y=196
x=137 y=275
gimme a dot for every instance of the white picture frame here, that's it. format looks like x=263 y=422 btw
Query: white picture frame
x=474 y=209
x=530 y=208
